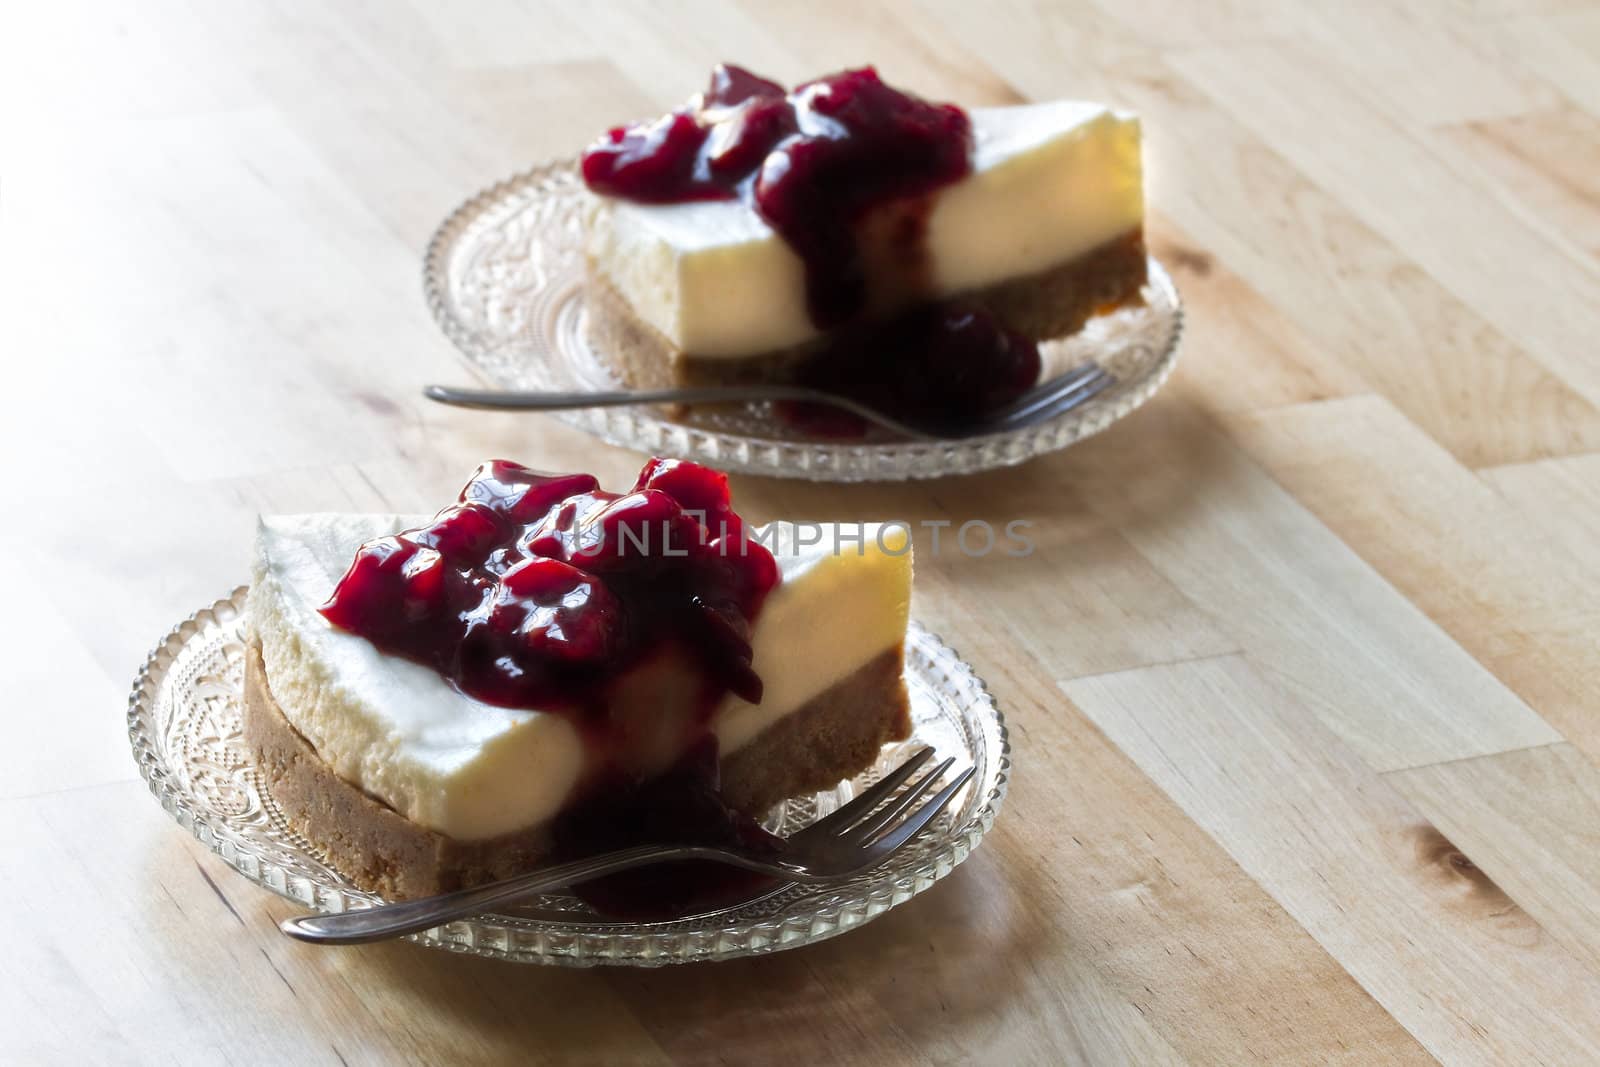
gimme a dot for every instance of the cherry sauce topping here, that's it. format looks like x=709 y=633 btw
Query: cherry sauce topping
x=538 y=590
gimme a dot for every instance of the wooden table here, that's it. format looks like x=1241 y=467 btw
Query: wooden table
x=1302 y=678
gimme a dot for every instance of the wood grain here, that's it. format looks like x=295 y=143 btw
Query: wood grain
x=1300 y=672
x=1375 y=669
x=1526 y=284
x=1489 y=571
x=1348 y=858
x=1531 y=822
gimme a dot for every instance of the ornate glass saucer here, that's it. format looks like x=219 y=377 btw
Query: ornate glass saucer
x=503 y=276
x=184 y=725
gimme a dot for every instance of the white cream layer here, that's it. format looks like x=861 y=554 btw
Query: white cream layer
x=473 y=771
x=1050 y=182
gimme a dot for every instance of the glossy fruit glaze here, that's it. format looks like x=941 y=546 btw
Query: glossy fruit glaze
x=539 y=590
x=814 y=163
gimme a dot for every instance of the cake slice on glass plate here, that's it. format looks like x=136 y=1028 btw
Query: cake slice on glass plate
x=853 y=237
x=547 y=668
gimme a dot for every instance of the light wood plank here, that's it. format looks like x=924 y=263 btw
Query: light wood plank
x=1530 y=821
x=1546 y=164
x=1565 y=495
x=1352 y=862
x=1377 y=672
x=1174 y=27
x=1432 y=355
x=55 y=689
x=183 y=960
x=1486 y=569
x=1562 y=46
x=1432 y=65
x=1532 y=288
x=1240 y=353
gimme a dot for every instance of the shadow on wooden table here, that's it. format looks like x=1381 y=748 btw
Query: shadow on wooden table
x=1151 y=463
x=941 y=967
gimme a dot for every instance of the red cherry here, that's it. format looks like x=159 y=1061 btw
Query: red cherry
x=562 y=611
x=637 y=529
x=463 y=532
x=731 y=85
x=739 y=143
x=697 y=489
x=423 y=583
x=557 y=534
x=543 y=581
x=391 y=582
x=519 y=493
x=646 y=161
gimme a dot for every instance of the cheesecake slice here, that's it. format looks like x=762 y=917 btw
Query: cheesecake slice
x=754 y=234
x=413 y=715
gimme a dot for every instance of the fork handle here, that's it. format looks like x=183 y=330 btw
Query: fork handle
x=384 y=921
x=539 y=400
x=510 y=400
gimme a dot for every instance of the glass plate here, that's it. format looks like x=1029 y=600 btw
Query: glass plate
x=184 y=724
x=503 y=275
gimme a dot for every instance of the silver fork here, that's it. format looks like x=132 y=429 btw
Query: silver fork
x=857 y=836
x=1044 y=401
